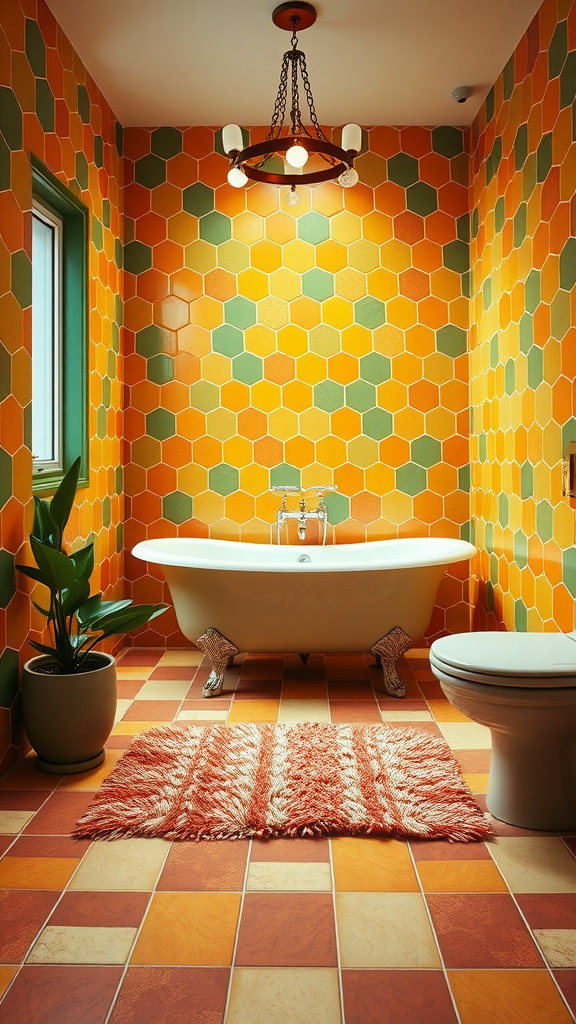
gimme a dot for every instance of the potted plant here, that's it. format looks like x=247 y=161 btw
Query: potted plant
x=69 y=690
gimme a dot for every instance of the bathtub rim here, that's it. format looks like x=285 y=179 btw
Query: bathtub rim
x=443 y=551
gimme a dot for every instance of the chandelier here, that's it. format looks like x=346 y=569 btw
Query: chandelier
x=296 y=154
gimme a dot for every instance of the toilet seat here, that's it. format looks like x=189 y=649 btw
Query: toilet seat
x=535 y=660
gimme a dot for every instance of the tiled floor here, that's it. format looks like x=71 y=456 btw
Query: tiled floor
x=289 y=931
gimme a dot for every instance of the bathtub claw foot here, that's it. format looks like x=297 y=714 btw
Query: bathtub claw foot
x=221 y=652
x=387 y=650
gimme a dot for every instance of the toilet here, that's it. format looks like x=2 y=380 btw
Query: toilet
x=523 y=687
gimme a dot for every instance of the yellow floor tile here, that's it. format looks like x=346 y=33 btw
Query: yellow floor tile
x=189 y=928
x=535 y=863
x=123 y=865
x=405 y=716
x=281 y=995
x=254 y=711
x=121 y=709
x=191 y=658
x=466 y=735
x=558 y=945
x=202 y=717
x=507 y=997
x=36 y=872
x=289 y=876
x=385 y=930
x=164 y=689
x=12 y=822
x=59 y=944
x=372 y=865
x=443 y=711
x=460 y=876
x=304 y=711
x=134 y=673
x=477 y=781
x=133 y=728
x=93 y=780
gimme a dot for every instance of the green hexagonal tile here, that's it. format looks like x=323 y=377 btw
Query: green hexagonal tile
x=494 y=158
x=5 y=372
x=529 y=176
x=137 y=257
x=317 y=284
x=228 y=340
x=568 y=265
x=106 y=512
x=544 y=520
x=106 y=391
x=177 y=507
x=411 y=479
x=215 y=227
x=535 y=367
x=9 y=677
x=558 y=49
x=5 y=477
x=7 y=578
x=520 y=549
x=560 y=314
x=360 y=396
x=166 y=142
x=421 y=198
x=314 y=228
x=494 y=351
x=447 y=141
x=499 y=214
x=451 y=340
x=456 y=256
x=544 y=157
x=474 y=222
x=489 y=102
x=568 y=80
x=426 y=451
x=464 y=478
x=198 y=199
x=83 y=104
x=532 y=291
x=510 y=377
x=526 y=480
x=503 y=510
x=338 y=506
x=204 y=396
x=21 y=278
x=284 y=475
x=521 y=147
x=520 y=616
x=519 y=229
x=375 y=368
x=161 y=424
x=99 y=159
x=526 y=332
x=10 y=118
x=329 y=396
x=35 y=48
x=4 y=166
x=119 y=138
x=150 y=171
x=240 y=312
x=101 y=421
x=97 y=234
x=403 y=169
x=160 y=369
x=370 y=312
x=223 y=479
x=44 y=104
x=569 y=569
x=377 y=423
x=487 y=293
x=152 y=340
x=508 y=78
x=482 y=447
x=82 y=170
x=247 y=368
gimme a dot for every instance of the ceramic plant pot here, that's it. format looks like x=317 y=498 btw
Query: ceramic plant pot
x=68 y=718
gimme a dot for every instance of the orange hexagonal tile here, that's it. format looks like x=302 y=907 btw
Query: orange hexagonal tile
x=365 y=507
x=252 y=423
x=390 y=198
x=238 y=451
x=212 y=169
x=299 y=451
x=150 y=229
x=346 y=423
x=186 y=284
x=279 y=368
x=268 y=451
x=229 y=200
x=168 y=256
x=280 y=228
x=328 y=199
x=382 y=284
x=207 y=313
x=359 y=199
x=349 y=479
x=195 y=340
x=219 y=284
x=182 y=170
x=262 y=199
x=153 y=285
x=234 y=395
x=343 y=368
x=166 y=200
x=207 y=452
x=176 y=451
x=402 y=312
x=171 y=312
x=191 y=423
x=266 y=256
x=415 y=285
x=198 y=141
x=239 y=507
x=331 y=256
x=305 y=313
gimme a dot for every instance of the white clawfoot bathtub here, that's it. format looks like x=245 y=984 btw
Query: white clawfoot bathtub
x=339 y=598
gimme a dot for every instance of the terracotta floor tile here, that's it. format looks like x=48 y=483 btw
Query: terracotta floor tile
x=535 y=864
x=288 y=876
x=313 y=849
x=566 y=980
x=151 y=711
x=101 y=909
x=59 y=814
x=36 y=872
x=70 y=944
x=26 y=775
x=133 y=658
x=257 y=689
x=218 y=865
x=5 y=843
x=50 y=846
x=276 y=995
x=295 y=670
x=124 y=865
x=548 y=910
x=91 y=780
x=189 y=929
x=22 y=914
x=170 y=995
x=129 y=728
x=50 y=994
x=121 y=742
x=401 y=997
x=431 y=688
x=460 y=876
x=287 y=930
x=507 y=997
x=140 y=673
x=354 y=711
x=479 y=931
x=21 y=799
x=472 y=760
x=304 y=711
x=441 y=849
x=307 y=689
x=346 y=667
x=7 y=973
x=372 y=865
x=385 y=929
x=413 y=691
x=350 y=691
x=265 y=667
x=254 y=711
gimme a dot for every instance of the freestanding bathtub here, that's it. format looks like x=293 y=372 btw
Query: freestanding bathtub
x=339 y=598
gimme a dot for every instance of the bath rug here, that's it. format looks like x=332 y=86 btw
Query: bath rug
x=297 y=779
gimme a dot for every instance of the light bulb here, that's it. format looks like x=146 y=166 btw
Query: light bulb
x=292 y=197
x=236 y=177
x=296 y=156
x=348 y=177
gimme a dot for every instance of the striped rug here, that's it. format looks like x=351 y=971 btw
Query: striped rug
x=300 y=779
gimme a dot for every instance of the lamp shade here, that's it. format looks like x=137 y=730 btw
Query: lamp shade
x=232 y=138
x=352 y=138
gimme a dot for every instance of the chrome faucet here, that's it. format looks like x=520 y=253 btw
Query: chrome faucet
x=302 y=514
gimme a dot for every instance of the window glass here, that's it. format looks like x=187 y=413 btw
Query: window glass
x=46 y=339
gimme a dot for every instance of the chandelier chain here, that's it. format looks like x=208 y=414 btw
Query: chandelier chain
x=280 y=105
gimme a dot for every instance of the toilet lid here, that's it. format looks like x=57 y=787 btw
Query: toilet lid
x=508 y=659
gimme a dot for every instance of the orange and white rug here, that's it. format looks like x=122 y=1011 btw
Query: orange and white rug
x=300 y=779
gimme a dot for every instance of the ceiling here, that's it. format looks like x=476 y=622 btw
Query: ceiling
x=182 y=62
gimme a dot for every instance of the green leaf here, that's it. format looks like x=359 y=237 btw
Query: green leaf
x=90 y=609
x=43 y=528
x=34 y=574
x=78 y=639
x=83 y=561
x=131 y=619
x=61 y=504
x=56 y=567
x=44 y=649
x=74 y=596
x=43 y=611
x=100 y=610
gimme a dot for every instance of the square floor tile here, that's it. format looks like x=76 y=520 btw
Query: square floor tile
x=101 y=909
x=59 y=814
x=275 y=995
x=22 y=913
x=354 y=711
x=510 y=997
x=566 y=980
x=254 y=711
x=70 y=944
x=460 y=876
x=304 y=711
x=469 y=734
x=151 y=711
x=172 y=995
x=548 y=910
x=287 y=930
x=202 y=715
x=313 y=848
x=398 y=997
x=136 y=658
x=183 y=658
x=535 y=863
x=477 y=782
x=443 y=711
x=218 y=865
x=479 y=930
x=385 y=929
x=58 y=994
x=189 y=929
x=405 y=716
x=164 y=689
x=36 y=872
x=372 y=865
x=122 y=865
x=473 y=760
x=288 y=876
x=173 y=672
x=442 y=849
x=12 y=822
x=27 y=776
x=21 y=799
x=122 y=706
x=130 y=728
x=558 y=945
x=92 y=780
x=7 y=974
x=304 y=689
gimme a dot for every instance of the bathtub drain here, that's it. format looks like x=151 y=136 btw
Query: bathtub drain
x=304 y=558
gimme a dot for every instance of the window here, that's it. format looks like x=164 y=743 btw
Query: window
x=59 y=331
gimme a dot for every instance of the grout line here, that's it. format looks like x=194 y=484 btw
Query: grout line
x=338 y=957
x=237 y=936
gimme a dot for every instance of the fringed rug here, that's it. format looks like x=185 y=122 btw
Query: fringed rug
x=300 y=779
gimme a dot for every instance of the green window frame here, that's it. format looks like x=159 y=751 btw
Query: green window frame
x=74 y=216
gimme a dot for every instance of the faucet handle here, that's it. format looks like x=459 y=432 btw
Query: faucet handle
x=321 y=489
x=284 y=488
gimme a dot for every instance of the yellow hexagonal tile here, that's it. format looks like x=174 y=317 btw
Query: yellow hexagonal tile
x=408 y=423
x=446 y=284
x=280 y=228
x=266 y=396
x=357 y=340
x=440 y=423
x=297 y=396
x=209 y=507
x=253 y=284
x=239 y=507
x=221 y=424
x=238 y=451
x=346 y=227
x=260 y=340
x=343 y=368
x=298 y=256
x=382 y=284
x=273 y=312
x=262 y=199
x=438 y=368
x=388 y=340
x=380 y=479
x=325 y=340
x=564 y=524
x=299 y=451
x=266 y=256
x=364 y=256
x=304 y=202
x=315 y=424
x=225 y=529
x=316 y=474
x=248 y=228
x=207 y=313
x=377 y=227
x=331 y=451
x=402 y=312
x=311 y=368
x=183 y=228
x=337 y=312
x=363 y=451
x=283 y=424
x=350 y=284
x=285 y=284
x=305 y=312
x=267 y=505
x=392 y=395
x=397 y=507
x=407 y=368
x=207 y=451
x=328 y=198
x=254 y=479
x=395 y=255
x=200 y=256
x=292 y=340
x=233 y=256
x=331 y=256
x=216 y=368
x=192 y=479
x=235 y=396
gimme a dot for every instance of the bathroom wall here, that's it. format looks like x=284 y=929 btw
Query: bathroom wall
x=50 y=106
x=316 y=344
x=523 y=337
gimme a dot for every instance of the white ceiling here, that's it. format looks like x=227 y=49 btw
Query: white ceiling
x=182 y=62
